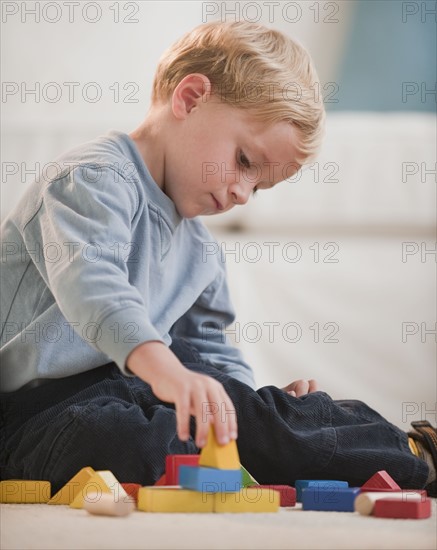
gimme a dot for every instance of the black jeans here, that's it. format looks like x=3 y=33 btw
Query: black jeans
x=105 y=420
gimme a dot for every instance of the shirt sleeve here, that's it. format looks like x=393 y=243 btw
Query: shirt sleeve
x=205 y=323
x=84 y=217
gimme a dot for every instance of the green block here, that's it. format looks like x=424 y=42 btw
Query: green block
x=246 y=479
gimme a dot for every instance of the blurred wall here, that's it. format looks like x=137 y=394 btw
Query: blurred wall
x=71 y=72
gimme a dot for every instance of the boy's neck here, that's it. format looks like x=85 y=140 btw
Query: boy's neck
x=148 y=138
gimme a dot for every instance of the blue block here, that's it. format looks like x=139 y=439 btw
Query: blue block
x=334 y=499
x=210 y=480
x=329 y=483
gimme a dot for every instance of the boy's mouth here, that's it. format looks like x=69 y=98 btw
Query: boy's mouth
x=218 y=205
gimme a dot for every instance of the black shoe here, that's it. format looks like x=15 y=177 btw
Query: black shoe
x=426 y=436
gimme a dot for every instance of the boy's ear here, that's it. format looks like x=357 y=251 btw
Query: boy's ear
x=192 y=89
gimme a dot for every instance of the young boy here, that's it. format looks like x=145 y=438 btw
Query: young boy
x=113 y=323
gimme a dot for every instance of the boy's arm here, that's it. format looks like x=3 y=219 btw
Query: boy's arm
x=205 y=323
x=86 y=212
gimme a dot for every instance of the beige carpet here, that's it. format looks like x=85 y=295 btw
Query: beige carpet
x=34 y=526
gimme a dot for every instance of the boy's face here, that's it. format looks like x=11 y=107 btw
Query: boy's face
x=219 y=155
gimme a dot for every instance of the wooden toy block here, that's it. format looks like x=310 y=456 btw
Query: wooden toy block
x=301 y=484
x=24 y=491
x=365 y=502
x=250 y=499
x=172 y=463
x=132 y=490
x=102 y=481
x=104 y=504
x=404 y=509
x=224 y=457
x=68 y=492
x=161 y=481
x=172 y=499
x=334 y=499
x=247 y=480
x=288 y=494
x=381 y=481
x=209 y=480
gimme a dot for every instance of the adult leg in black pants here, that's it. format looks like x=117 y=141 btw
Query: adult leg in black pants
x=103 y=419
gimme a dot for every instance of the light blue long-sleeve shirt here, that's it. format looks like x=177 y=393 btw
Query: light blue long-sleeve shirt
x=96 y=260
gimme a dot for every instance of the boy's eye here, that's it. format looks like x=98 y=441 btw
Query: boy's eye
x=244 y=160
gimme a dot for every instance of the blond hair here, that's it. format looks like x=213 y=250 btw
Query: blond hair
x=251 y=67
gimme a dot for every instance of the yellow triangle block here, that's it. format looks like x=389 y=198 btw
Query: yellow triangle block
x=69 y=491
x=102 y=481
x=223 y=457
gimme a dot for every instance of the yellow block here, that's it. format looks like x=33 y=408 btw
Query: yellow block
x=102 y=481
x=24 y=491
x=68 y=492
x=250 y=499
x=174 y=499
x=224 y=457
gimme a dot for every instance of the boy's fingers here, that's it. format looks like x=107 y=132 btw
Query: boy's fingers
x=224 y=420
x=202 y=424
x=183 y=417
x=302 y=387
x=313 y=385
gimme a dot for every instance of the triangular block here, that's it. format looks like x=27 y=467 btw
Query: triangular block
x=381 y=481
x=247 y=480
x=68 y=492
x=161 y=481
x=223 y=457
x=132 y=490
x=103 y=481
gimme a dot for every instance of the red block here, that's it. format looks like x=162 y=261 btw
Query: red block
x=172 y=463
x=161 y=481
x=132 y=489
x=380 y=482
x=405 y=509
x=288 y=494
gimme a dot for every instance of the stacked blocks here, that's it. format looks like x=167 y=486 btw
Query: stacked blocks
x=212 y=482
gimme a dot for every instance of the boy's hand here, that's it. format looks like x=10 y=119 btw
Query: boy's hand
x=301 y=387
x=192 y=393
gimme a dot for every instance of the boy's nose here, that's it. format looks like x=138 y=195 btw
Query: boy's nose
x=240 y=194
